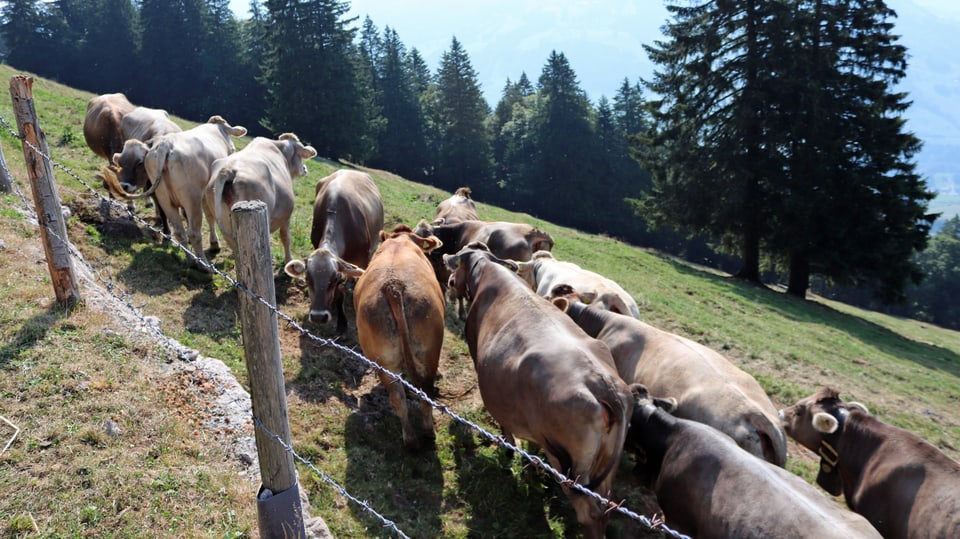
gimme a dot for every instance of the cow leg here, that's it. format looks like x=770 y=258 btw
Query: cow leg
x=338 y=309
x=195 y=234
x=285 y=240
x=212 y=223
x=398 y=401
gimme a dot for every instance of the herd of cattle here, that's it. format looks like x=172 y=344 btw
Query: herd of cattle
x=562 y=358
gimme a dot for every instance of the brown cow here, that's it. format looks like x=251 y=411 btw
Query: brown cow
x=101 y=126
x=400 y=311
x=178 y=167
x=543 y=272
x=708 y=387
x=708 y=487
x=263 y=170
x=459 y=207
x=903 y=485
x=509 y=241
x=347 y=218
x=140 y=128
x=543 y=379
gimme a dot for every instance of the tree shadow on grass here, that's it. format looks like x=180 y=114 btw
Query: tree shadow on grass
x=32 y=331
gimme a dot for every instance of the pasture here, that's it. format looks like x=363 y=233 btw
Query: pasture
x=64 y=376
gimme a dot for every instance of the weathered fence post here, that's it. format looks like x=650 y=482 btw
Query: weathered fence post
x=6 y=184
x=53 y=228
x=279 y=512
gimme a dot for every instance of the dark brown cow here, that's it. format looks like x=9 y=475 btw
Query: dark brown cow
x=510 y=241
x=347 y=219
x=459 y=207
x=543 y=379
x=101 y=126
x=263 y=170
x=903 y=485
x=400 y=311
x=708 y=487
x=708 y=387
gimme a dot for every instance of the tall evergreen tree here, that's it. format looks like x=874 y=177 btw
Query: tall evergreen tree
x=402 y=147
x=853 y=209
x=514 y=145
x=464 y=151
x=311 y=75
x=30 y=32
x=109 y=51
x=172 y=32
x=565 y=145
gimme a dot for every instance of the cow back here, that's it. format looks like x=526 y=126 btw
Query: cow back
x=691 y=462
x=348 y=216
x=102 y=123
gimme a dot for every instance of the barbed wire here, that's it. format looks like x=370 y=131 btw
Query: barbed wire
x=185 y=353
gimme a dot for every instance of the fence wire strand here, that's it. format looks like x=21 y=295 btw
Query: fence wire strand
x=184 y=353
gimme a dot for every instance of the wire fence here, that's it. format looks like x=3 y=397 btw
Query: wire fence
x=104 y=277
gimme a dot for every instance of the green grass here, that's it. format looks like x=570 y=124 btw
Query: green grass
x=908 y=373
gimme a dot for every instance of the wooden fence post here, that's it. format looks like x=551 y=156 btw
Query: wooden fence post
x=6 y=184
x=279 y=512
x=53 y=228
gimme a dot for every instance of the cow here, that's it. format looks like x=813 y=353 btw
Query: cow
x=708 y=387
x=543 y=272
x=263 y=170
x=178 y=169
x=709 y=487
x=138 y=129
x=101 y=125
x=347 y=219
x=459 y=207
x=543 y=379
x=903 y=485
x=509 y=241
x=400 y=320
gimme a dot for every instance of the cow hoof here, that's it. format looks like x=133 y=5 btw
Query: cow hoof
x=214 y=249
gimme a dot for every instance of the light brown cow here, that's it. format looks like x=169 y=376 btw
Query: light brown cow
x=400 y=311
x=347 y=218
x=459 y=207
x=178 y=167
x=904 y=486
x=263 y=170
x=510 y=241
x=543 y=379
x=543 y=272
x=708 y=387
x=708 y=487
x=101 y=126
x=140 y=128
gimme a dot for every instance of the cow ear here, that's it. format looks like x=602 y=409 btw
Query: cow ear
x=384 y=235
x=668 y=404
x=510 y=265
x=561 y=303
x=349 y=269
x=858 y=405
x=116 y=159
x=825 y=423
x=452 y=262
x=295 y=268
x=429 y=244
x=306 y=152
x=587 y=297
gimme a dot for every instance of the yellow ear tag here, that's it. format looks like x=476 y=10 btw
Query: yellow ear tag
x=426 y=245
x=458 y=262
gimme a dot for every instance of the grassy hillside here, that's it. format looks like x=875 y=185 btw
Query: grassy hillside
x=67 y=372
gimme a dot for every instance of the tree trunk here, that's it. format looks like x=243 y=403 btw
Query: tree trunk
x=799 y=279
x=750 y=257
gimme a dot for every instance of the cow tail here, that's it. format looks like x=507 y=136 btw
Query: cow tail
x=395 y=290
x=154 y=162
x=217 y=186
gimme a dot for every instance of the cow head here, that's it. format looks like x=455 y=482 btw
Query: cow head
x=461 y=265
x=295 y=152
x=816 y=423
x=643 y=434
x=132 y=173
x=325 y=273
x=427 y=244
x=228 y=130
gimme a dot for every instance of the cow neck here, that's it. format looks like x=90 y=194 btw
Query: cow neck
x=829 y=476
x=649 y=430
x=470 y=290
x=592 y=321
